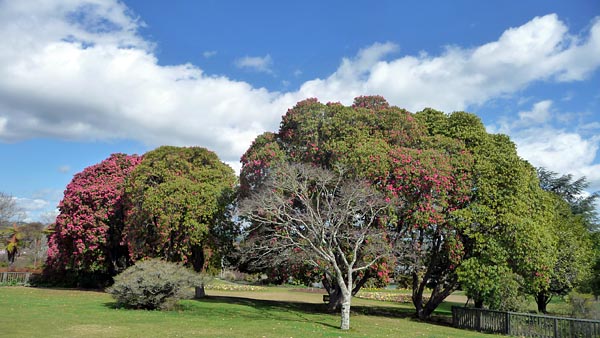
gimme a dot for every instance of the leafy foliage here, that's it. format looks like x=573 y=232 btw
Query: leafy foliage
x=86 y=237
x=572 y=192
x=582 y=306
x=454 y=191
x=504 y=226
x=178 y=203
x=425 y=177
x=330 y=136
x=496 y=285
x=574 y=217
x=13 y=243
x=154 y=284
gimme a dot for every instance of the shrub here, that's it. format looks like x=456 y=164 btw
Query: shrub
x=154 y=284
x=582 y=306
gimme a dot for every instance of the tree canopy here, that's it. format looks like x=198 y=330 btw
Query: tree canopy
x=575 y=219
x=87 y=235
x=177 y=206
x=455 y=192
x=173 y=203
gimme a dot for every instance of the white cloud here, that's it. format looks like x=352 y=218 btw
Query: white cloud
x=538 y=115
x=538 y=50
x=256 y=63
x=80 y=70
x=558 y=150
x=209 y=53
x=31 y=208
x=591 y=126
x=29 y=204
x=561 y=152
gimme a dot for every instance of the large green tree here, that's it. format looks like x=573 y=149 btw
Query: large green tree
x=502 y=227
x=574 y=193
x=575 y=219
x=454 y=190
x=459 y=198
x=177 y=207
x=357 y=138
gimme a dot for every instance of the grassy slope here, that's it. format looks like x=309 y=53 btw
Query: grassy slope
x=32 y=312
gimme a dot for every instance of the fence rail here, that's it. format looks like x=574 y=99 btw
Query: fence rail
x=14 y=277
x=523 y=324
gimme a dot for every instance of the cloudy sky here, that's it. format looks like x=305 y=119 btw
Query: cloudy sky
x=81 y=79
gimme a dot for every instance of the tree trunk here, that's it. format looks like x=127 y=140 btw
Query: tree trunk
x=335 y=299
x=200 y=293
x=198 y=258
x=335 y=294
x=542 y=299
x=478 y=303
x=345 y=325
x=424 y=310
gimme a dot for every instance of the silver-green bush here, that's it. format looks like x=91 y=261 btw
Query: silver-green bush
x=154 y=284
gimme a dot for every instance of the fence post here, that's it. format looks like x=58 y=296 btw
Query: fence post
x=507 y=323
x=478 y=323
x=555 y=327
x=571 y=329
x=454 y=317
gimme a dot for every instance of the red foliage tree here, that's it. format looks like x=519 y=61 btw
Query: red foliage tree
x=87 y=233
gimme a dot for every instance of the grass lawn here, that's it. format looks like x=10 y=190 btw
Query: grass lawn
x=271 y=312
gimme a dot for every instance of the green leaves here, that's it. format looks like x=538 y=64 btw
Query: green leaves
x=455 y=192
x=176 y=197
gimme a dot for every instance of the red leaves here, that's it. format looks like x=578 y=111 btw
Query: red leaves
x=374 y=102
x=90 y=210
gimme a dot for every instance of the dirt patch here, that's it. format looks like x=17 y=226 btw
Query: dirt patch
x=17 y=269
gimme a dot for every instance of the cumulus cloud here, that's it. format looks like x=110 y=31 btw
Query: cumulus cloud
x=41 y=206
x=261 y=64
x=543 y=145
x=539 y=114
x=539 y=50
x=31 y=208
x=80 y=70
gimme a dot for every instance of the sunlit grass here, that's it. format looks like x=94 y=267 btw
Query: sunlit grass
x=272 y=312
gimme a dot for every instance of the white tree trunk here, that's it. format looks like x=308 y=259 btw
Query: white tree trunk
x=347 y=297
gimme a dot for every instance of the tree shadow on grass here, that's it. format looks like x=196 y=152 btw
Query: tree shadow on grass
x=276 y=310
x=297 y=311
x=300 y=311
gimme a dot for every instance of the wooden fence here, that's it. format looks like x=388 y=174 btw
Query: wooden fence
x=14 y=277
x=523 y=324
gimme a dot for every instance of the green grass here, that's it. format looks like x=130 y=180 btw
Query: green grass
x=272 y=312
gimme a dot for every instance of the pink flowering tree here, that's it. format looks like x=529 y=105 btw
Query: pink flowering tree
x=86 y=238
x=456 y=192
x=357 y=139
x=430 y=185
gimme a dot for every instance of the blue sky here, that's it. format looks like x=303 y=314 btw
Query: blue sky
x=81 y=79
